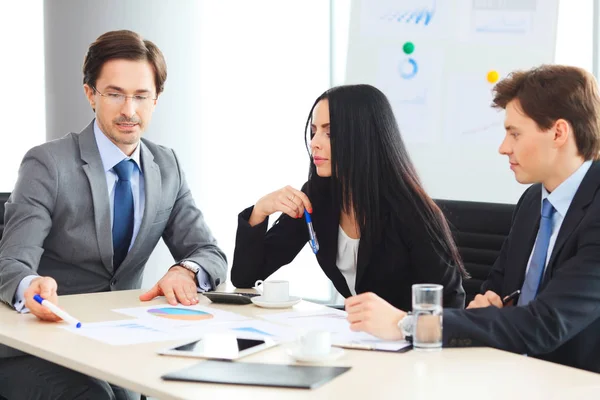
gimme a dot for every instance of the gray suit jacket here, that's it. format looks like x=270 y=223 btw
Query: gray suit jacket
x=58 y=223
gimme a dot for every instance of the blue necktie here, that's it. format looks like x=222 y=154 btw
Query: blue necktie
x=538 y=259
x=122 y=230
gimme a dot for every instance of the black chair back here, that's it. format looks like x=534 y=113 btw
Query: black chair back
x=479 y=230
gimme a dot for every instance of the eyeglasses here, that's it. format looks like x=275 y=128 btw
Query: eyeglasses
x=119 y=99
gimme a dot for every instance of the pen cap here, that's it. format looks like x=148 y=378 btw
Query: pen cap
x=38 y=298
x=307 y=216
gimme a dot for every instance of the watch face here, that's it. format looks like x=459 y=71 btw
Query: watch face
x=192 y=267
x=406 y=325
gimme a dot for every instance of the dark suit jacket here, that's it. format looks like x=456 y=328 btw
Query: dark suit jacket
x=562 y=324
x=404 y=255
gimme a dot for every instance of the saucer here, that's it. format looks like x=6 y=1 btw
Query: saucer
x=259 y=301
x=296 y=353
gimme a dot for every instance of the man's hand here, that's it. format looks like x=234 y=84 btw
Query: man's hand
x=178 y=284
x=485 y=300
x=45 y=287
x=369 y=313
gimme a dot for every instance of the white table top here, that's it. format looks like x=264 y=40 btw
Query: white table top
x=448 y=374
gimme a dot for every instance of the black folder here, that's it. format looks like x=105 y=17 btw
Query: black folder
x=241 y=373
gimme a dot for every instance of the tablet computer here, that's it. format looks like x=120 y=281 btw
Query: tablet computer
x=259 y=374
x=220 y=346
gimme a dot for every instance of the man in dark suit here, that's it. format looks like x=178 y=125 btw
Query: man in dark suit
x=552 y=254
x=89 y=208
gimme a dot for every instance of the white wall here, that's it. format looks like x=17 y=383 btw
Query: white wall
x=574 y=39
x=22 y=114
x=265 y=64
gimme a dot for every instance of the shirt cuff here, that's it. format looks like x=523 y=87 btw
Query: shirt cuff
x=19 y=303
x=203 y=278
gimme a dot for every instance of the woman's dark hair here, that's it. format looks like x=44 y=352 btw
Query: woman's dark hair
x=370 y=165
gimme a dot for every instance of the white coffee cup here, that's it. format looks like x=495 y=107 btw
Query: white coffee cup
x=316 y=343
x=273 y=291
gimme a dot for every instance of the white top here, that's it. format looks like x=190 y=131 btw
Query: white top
x=347 y=258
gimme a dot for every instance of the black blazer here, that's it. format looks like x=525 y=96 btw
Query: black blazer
x=404 y=255
x=562 y=324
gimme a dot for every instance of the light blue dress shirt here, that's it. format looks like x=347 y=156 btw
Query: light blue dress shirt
x=111 y=155
x=561 y=199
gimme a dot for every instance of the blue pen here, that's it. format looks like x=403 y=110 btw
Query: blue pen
x=57 y=311
x=314 y=243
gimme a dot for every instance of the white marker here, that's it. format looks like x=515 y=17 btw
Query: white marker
x=57 y=311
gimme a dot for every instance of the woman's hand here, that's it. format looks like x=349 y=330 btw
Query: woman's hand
x=287 y=200
x=369 y=313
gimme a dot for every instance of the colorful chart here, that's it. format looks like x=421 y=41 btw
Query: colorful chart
x=408 y=68
x=180 y=314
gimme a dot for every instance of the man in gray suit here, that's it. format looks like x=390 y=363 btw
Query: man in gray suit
x=88 y=210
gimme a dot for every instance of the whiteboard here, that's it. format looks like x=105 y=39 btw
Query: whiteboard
x=437 y=61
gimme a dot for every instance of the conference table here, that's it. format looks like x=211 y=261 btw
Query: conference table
x=459 y=373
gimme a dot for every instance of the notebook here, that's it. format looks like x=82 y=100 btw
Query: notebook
x=241 y=373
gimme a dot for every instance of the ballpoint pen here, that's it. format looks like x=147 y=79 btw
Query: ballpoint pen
x=57 y=311
x=314 y=243
x=511 y=296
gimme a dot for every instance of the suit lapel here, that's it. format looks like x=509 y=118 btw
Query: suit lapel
x=365 y=248
x=525 y=233
x=152 y=191
x=94 y=171
x=583 y=197
x=364 y=256
x=326 y=224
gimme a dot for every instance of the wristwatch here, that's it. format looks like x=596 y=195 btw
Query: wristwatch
x=406 y=325
x=189 y=265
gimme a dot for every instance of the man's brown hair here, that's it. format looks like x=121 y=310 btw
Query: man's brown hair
x=552 y=92
x=125 y=45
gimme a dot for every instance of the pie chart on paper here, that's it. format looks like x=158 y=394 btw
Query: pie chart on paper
x=180 y=314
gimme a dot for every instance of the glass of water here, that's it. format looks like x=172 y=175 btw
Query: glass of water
x=427 y=316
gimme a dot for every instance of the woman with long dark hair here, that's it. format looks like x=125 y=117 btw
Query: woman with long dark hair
x=377 y=229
